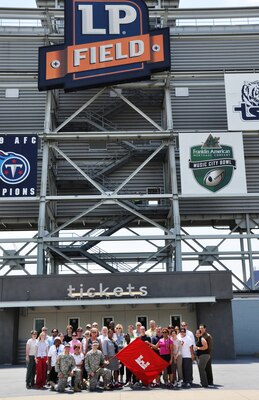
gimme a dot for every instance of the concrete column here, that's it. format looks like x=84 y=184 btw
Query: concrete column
x=219 y=322
x=9 y=322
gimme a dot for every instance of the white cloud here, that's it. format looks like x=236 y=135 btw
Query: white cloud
x=183 y=3
x=18 y=3
x=217 y=3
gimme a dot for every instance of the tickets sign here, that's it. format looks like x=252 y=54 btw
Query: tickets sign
x=106 y=42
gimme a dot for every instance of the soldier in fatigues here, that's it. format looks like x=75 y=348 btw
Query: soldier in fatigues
x=65 y=367
x=94 y=365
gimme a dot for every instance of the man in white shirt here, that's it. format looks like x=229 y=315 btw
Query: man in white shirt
x=187 y=356
x=188 y=333
x=151 y=332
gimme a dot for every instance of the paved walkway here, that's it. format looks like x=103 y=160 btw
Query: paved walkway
x=234 y=380
x=155 y=395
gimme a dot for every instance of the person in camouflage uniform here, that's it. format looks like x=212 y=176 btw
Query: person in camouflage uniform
x=65 y=367
x=94 y=365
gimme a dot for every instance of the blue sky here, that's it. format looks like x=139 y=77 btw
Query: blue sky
x=183 y=3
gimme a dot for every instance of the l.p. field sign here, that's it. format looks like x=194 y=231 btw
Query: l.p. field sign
x=105 y=42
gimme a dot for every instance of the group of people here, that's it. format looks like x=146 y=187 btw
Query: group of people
x=86 y=357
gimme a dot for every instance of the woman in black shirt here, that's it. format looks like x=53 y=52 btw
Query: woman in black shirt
x=203 y=356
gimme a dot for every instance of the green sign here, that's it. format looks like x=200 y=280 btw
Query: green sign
x=212 y=164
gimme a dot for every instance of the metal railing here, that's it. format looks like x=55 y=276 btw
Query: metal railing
x=120 y=266
x=53 y=19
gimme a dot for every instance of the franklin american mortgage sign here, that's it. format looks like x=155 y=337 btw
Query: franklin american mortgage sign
x=106 y=42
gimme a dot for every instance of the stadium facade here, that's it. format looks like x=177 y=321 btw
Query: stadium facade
x=135 y=200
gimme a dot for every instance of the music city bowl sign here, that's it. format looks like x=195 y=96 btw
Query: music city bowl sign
x=212 y=164
x=106 y=42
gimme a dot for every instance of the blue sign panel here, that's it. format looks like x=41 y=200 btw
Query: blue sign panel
x=106 y=42
x=18 y=165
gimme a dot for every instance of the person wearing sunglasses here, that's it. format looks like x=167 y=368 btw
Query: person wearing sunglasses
x=79 y=332
x=202 y=356
x=187 y=357
x=165 y=346
x=51 y=339
x=74 y=342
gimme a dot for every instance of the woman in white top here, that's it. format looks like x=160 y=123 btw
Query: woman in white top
x=177 y=359
x=118 y=337
x=41 y=360
x=30 y=359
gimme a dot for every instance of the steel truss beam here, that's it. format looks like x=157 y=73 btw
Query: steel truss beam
x=96 y=96
x=169 y=13
x=51 y=136
x=173 y=235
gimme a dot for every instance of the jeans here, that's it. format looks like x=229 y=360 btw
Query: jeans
x=202 y=362
x=31 y=371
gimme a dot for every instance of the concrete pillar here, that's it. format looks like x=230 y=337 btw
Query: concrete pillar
x=9 y=322
x=219 y=322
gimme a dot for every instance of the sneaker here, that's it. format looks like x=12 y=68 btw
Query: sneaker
x=111 y=385
x=84 y=385
x=179 y=384
x=52 y=386
x=188 y=385
x=136 y=386
x=127 y=384
x=117 y=385
x=96 y=389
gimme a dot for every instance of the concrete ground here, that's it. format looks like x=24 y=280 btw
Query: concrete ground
x=234 y=380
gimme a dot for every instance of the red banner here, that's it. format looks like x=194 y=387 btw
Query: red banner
x=142 y=361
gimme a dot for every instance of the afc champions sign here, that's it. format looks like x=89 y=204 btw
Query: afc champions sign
x=106 y=42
